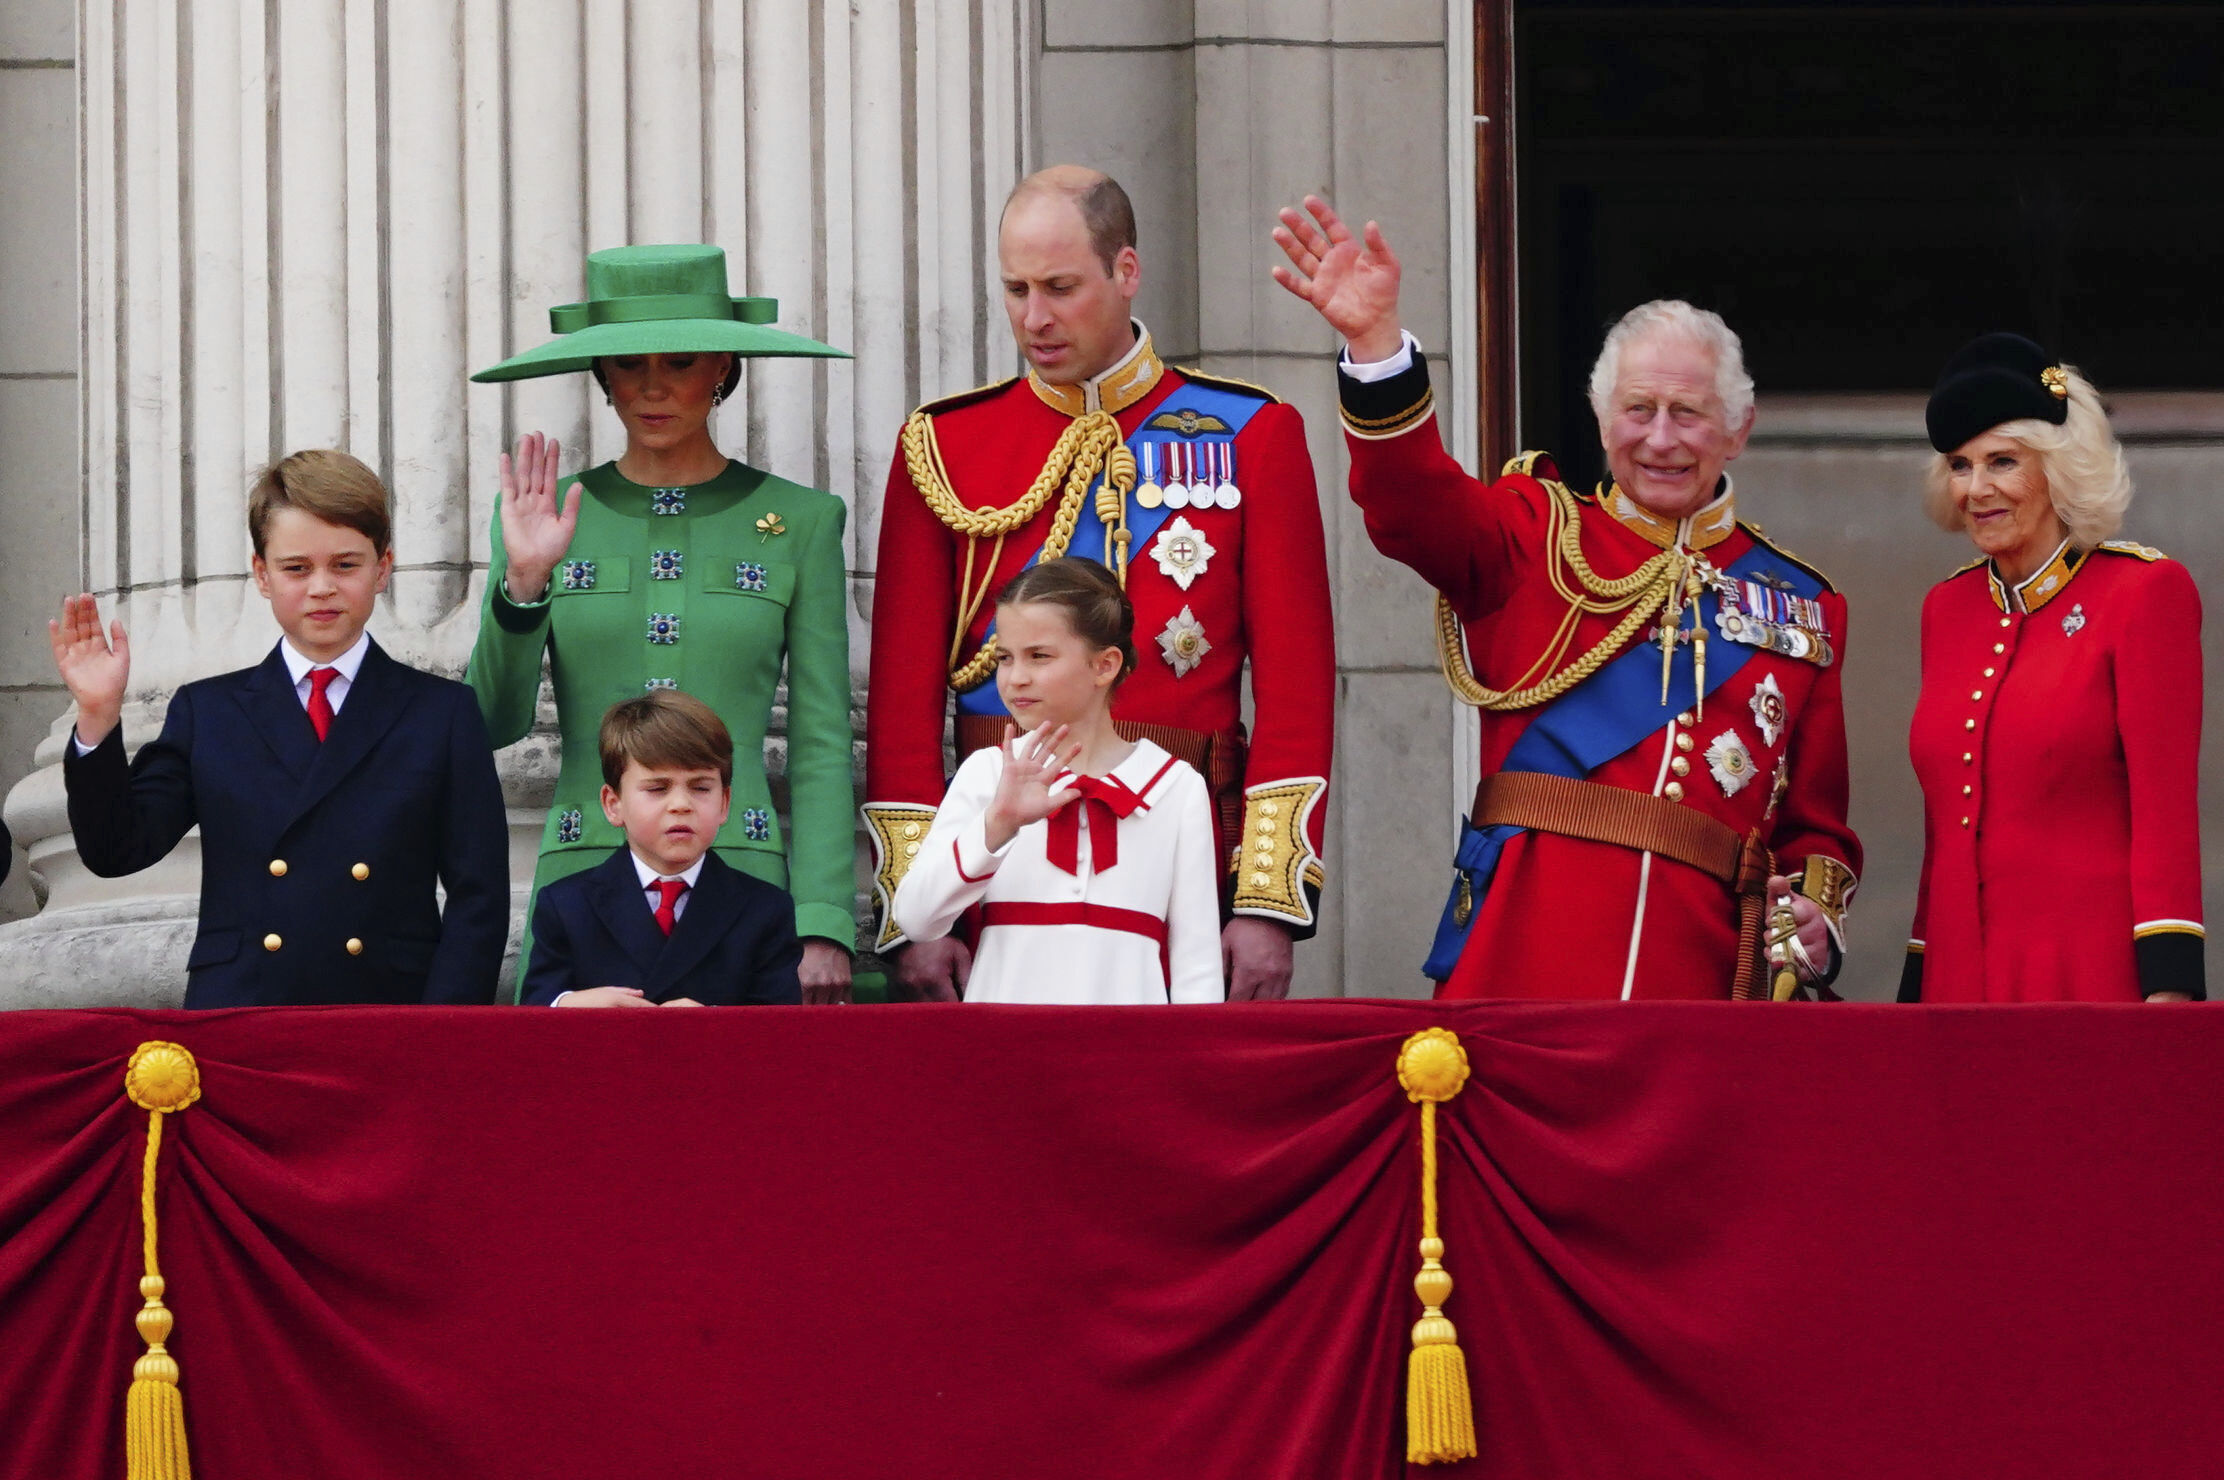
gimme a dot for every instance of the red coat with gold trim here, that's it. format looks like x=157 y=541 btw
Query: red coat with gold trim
x=1565 y=917
x=2059 y=753
x=1261 y=597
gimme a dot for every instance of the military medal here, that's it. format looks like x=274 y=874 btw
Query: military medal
x=1177 y=487
x=1768 y=709
x=2074 y=623
x=1226 y=495
x=1764 y=613
x=1731 y=762
x=1151 y=494
x=1183 y=642
x=1181 y=551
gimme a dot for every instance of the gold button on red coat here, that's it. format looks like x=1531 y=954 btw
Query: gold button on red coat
x=1975 y=695
x=1674 y=793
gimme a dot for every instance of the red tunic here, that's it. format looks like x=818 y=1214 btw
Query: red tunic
x=2058 y=752
x=1565 y=917
x=1262 y=598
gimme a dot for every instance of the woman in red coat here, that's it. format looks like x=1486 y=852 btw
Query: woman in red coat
x=2059 y=727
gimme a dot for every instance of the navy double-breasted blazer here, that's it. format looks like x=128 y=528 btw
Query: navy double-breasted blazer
x=735 y=942
x=318 y=859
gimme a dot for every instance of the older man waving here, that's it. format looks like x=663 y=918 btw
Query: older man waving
x=1663 y=740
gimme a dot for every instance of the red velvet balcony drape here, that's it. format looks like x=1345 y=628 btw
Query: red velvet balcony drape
x=1729 y=1241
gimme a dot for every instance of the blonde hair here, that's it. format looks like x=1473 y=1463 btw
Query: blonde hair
x=2083 y=464
x=1672 y=318
x=326 y=484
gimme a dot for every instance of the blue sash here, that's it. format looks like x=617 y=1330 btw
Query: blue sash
x=1232 y=409
x=1597 y=720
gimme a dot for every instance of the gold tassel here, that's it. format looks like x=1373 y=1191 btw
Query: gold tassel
x=1439 y=1412
x=161 y=1079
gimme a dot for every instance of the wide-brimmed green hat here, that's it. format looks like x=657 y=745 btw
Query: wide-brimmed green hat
x=657 y=300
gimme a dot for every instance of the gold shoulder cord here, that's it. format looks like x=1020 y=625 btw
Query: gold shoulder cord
x=1640 y=594
x=1092 y=444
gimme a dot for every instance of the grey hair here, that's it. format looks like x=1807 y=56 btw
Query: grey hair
x=2082 y=462
x=1665 y=317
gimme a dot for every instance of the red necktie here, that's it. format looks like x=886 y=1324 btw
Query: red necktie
x=1108 y=800
x=668 y=902
x=320 y=708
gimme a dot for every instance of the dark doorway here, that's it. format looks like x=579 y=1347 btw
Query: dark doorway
x=1860 y=188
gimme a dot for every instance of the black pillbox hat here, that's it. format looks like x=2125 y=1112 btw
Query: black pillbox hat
x=1992 y=379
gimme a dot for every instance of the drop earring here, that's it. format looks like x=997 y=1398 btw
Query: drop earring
x=717 y=398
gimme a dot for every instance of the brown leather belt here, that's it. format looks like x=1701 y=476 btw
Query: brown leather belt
x=1646 y=824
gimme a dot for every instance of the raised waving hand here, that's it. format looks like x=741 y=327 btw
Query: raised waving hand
x=1352 y=283
x=536 y=531
x=95 y=668
x=1028 y=791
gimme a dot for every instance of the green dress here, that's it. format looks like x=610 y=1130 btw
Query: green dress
x=705 y=588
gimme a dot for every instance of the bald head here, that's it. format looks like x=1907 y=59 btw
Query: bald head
x=1104 y=207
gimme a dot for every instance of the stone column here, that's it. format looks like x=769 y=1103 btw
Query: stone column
x=305 y=221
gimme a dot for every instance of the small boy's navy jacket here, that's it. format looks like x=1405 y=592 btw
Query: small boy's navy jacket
x=734 y=943
x=318 y=859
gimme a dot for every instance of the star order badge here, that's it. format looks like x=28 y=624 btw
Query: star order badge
x=1183 y=642
x=2074 y=623
x=1182 y=551
x=1731 y=762
x=1768 y=709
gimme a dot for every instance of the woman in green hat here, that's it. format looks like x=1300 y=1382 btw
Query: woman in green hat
x=675 y=567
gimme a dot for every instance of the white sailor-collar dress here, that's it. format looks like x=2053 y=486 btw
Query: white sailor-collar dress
x=1133 y=922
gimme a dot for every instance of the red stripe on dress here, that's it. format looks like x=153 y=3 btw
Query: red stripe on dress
x=1102 y=916
x=1157 y=776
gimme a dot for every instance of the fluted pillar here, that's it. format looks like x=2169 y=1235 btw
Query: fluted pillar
x=305 y=221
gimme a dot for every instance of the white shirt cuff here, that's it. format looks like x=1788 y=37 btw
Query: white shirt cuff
x=80 y=747
x=1375 y=370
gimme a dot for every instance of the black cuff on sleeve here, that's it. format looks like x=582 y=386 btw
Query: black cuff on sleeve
x=1911 y=978
x=1384 y=408
x=2170 y=961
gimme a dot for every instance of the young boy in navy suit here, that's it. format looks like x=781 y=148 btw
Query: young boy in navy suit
x=333 y=786
x=664 y=921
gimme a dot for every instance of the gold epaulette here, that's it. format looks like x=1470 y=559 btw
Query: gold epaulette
x=1273 y=862
x=1755 y=531
x=1229 y=383
x=966 y=398
x=2134 y=549
x=1525 y=464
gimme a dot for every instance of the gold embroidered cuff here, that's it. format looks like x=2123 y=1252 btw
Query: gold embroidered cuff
x=897 y=828
x=1830 y=884
x=1273 y=861
x=1397 y=424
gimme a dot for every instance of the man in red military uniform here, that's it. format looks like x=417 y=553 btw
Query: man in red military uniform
x=1198 y=490
x=1663 y=740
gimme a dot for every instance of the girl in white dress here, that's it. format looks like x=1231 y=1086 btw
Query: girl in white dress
x=1090 y=856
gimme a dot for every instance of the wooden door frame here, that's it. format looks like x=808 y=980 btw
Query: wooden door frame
x=1497 y=321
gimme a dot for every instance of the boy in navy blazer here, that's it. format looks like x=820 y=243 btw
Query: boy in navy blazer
x=664 y=922
x=333 y=786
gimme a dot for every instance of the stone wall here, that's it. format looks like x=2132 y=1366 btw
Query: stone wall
x=40 y=490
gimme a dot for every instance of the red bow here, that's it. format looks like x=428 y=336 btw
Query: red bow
x=1108 y=799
